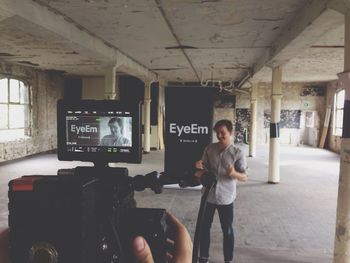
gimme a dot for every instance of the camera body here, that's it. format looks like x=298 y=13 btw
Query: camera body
x=87 y=214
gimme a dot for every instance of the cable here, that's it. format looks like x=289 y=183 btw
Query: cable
x=209 y=184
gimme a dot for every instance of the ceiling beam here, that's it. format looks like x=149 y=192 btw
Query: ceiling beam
x=314 y=20
x=342 y=6
x=179 y=44
x=4 y=14
x=76 y=37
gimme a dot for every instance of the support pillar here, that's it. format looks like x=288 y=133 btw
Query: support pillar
x=253 y=120
x=342 y=231
x=147 y=118
x=111 y=84
x=161 y=116
x=274 y=153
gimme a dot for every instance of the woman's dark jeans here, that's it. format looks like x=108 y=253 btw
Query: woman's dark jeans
x=226 y=220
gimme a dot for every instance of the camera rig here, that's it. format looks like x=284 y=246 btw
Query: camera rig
x=87 y=214
x=83 y=215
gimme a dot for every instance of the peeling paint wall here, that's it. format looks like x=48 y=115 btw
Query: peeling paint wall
x=297 y=98
x=231 y=110
x=47 y=87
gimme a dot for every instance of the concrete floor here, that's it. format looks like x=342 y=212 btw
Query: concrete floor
x=291 y=222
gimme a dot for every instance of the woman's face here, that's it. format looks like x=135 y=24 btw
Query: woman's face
x=115 y=129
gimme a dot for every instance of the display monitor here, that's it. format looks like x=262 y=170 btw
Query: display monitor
x=99 y=131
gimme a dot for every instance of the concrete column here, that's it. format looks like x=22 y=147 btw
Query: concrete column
x=111 y=84
x=347 y=43
x=147 y=120
x=274 y=153
x=342 y=232
x=161 y=116
x=253 y=120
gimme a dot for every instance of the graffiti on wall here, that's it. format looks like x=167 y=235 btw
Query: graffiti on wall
x=242 y=125
x=290 y=119
x=313 y=91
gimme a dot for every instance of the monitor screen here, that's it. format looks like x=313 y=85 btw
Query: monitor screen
x=99 y=131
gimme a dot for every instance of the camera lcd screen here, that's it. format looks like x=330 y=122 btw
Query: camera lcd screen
x=99 y=131
x=96 y=132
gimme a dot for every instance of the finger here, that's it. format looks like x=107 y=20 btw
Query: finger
x=4 y=246
x=141 y=250
x=170 y=246
x=170 y=241
x=171 y=231
x=174 y=226
x=169 y=257
x=183 y=243
x=199 y=164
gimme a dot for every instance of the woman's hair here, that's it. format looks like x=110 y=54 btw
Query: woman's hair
x=117 y=120
x=227 y=123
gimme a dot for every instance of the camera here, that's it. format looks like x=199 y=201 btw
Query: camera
x=87 y=214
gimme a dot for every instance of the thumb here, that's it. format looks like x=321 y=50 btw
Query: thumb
x=142 y=252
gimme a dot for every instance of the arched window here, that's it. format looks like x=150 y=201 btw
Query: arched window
x=338 y=112
x=14 y=109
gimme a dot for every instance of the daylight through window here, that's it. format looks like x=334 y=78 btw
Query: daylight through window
x=338 y=112
x=14 y=109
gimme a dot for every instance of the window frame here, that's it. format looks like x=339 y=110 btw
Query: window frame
x=337 y=131
x=28 y=106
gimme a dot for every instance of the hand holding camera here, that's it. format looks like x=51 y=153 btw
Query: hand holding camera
x=89 y=214
x=181 y=246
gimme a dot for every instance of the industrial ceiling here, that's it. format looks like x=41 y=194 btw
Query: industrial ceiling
x=177 y=40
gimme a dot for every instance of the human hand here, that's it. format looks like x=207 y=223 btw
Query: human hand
x=200 y=170
x=231 y=171
x=198 y=175
x=181 y=243
x=199 y=165
x=4 y=246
